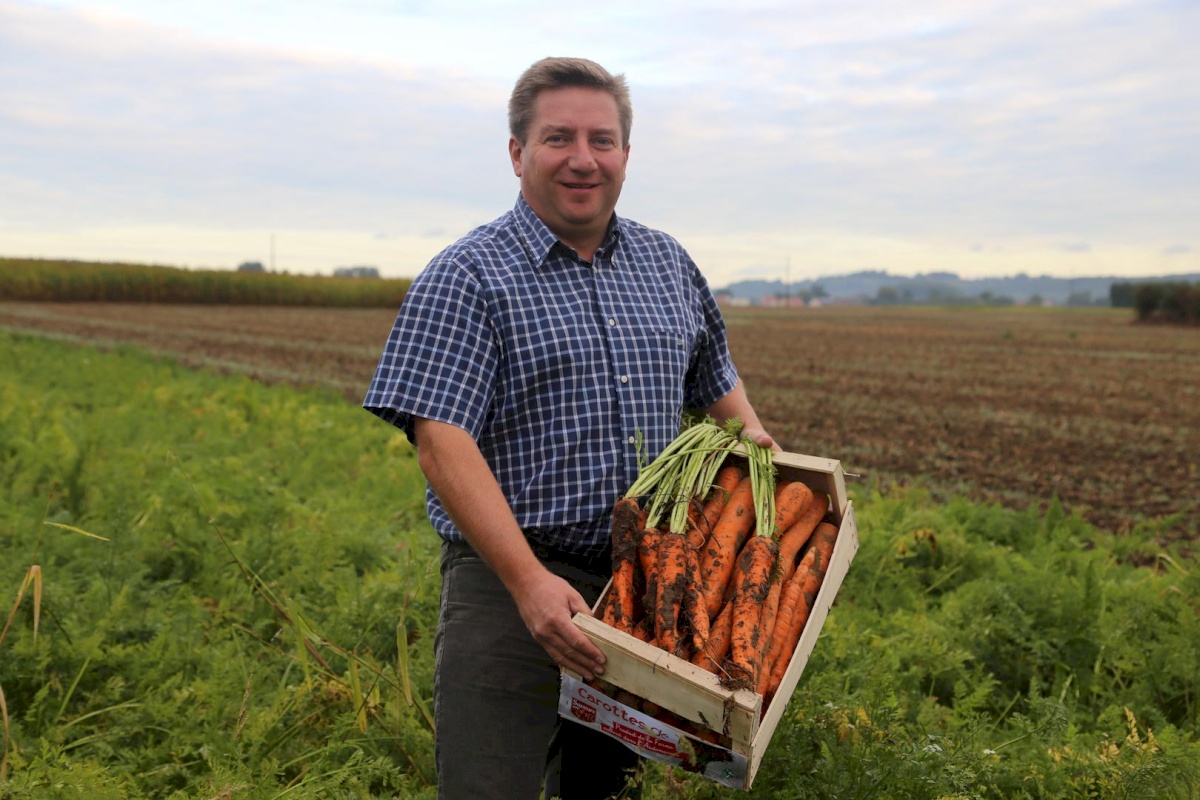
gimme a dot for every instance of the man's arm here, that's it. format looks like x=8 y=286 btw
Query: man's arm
x=464 y=482
x=736 y=404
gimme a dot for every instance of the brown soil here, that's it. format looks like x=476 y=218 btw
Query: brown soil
x=1011 y=405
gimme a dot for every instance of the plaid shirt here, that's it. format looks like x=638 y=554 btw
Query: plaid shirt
x=569 y=375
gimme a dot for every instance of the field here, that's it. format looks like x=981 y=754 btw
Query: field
x=256 y=620
x=1015 y=406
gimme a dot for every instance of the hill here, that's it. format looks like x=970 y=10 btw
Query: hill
x=865 y=286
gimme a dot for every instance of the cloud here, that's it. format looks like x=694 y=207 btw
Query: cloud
x=1177 y=250
x=146 y=123
x=763 y=129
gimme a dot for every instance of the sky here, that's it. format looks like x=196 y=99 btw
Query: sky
x=775 y=140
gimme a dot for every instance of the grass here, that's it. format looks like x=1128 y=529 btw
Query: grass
x=255 y=623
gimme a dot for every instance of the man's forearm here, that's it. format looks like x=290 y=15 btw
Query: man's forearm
x=469 y=492
x=737 y=404
x=463 y=481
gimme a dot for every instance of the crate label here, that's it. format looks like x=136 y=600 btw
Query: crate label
x=648 y=736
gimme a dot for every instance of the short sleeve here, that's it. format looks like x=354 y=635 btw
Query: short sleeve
x=440 y=360
x=711 y=371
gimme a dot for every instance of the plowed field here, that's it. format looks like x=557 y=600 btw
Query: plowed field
x=1011 y=405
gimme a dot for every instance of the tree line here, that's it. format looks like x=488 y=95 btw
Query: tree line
x=47 y=280
x=1175 y=302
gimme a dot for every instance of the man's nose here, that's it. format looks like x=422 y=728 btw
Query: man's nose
x=582 y=159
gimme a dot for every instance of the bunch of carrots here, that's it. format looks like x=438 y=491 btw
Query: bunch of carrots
x=715 y=562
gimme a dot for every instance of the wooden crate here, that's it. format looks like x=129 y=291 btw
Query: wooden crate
x=733 y=718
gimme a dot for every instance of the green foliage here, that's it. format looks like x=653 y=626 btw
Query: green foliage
x=76 y=281
x=261 y=615
x=975 y=652
x=1167 y=301
x=258 y=625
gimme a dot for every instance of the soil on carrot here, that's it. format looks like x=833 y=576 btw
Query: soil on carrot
x=1015 y=405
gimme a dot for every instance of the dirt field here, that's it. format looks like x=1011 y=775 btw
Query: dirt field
x=1010 y=405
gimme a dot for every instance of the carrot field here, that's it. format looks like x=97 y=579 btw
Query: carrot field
x=1012 y=405
x=219 y=584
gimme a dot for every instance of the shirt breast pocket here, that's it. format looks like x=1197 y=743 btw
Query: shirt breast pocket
x=662 y=358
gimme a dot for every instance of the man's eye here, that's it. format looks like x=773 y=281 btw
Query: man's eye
x=604 y=142
x=557 y=138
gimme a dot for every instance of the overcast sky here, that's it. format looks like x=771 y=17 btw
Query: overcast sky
x=779 y=140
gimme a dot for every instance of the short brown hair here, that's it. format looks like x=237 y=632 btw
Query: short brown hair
x=557 y=73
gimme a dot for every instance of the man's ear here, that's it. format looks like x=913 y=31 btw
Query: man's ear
x=514 y=152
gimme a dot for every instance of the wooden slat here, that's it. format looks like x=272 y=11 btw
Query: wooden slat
x=677 y=685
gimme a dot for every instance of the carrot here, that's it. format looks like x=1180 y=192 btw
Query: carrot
x=716 y=647
x=647 y=550
x=791 y=498
x=752 y=579
x=809 y=576
x=790 y=543
x=790 y=600
x=628 y=519
x=694 y=611
x=720 y=553
x=795 y=537
x=697 y=528
x=672 y=583
x=619 y=604
x=823 y=540
x=728 y=478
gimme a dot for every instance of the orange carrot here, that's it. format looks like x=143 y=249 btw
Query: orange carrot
x=694 y=612
x=790 y=600
x=791 y=498
x=728 y=478
x=647 y=551
x=790 y=543
x=716 y=647
x=795 y=537
x=823 y=540
x=619 y=604
x=752 y=585
x=811 y=573
x=720 y=553
x=628 y=519
x=672 y=583
x=697 y=528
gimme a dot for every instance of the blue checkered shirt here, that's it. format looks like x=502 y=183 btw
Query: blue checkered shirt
x=569 y=375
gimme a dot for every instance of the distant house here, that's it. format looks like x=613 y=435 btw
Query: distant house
x=356 y=272
x=781 y=301
x=251 y=266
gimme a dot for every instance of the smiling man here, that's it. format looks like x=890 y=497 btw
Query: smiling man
x=572 y=164
x=535 y=363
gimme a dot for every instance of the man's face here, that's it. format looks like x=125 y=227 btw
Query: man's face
x=572 y=164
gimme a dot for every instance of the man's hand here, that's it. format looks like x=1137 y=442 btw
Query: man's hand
x=761 y=438
x=735 y=404
x=547 y=603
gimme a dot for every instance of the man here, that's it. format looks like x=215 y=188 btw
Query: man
x=535 y=363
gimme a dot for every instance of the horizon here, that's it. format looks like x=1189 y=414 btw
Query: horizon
x=780 y=140
x=863 y=273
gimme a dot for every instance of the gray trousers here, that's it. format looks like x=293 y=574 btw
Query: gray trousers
x=496 y=698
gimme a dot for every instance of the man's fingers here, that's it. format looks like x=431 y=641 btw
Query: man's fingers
x=570 y=648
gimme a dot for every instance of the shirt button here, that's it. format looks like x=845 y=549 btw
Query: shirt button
x=612 y=323
x=624 y=379
x=631 y=440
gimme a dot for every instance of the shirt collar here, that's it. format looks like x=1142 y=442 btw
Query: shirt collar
x=541 y=240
